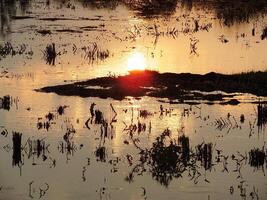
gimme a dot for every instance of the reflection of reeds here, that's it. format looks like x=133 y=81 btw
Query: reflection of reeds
x=5 y=102
x=193 y=46
x=184 y=142
x=100 y=153
x=7 y=49
x=262 y=115
x=204 y=154
x=229 y=11
x=264 y=33
x=168 y=159
x=99 y=118
x=16 y=149
x=50 y=54
x=144 y=114
x=94 y=53
x=149 y=8
x=37 y=147
x=110 y=4
x=257 y=157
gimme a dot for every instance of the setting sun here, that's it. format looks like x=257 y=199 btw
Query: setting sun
x=136 y=61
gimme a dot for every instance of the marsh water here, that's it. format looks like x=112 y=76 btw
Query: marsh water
x=66 y=154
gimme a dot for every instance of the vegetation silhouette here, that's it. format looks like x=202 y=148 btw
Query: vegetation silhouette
x=166 y=85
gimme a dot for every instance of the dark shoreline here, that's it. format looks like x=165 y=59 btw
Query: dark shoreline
x=166 y=85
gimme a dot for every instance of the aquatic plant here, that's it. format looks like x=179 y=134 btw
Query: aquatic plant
x=204 y=154
x=93 y=53
x=99 y=118
x=145 y=114
x=167 y=159
x=228 y=11
x=36 y=147
x=109 y=4
x=61 y=110
x=193 y=46
x=150 y=8
x=7 y=49
x=264 y=33
x=262 y=115
x=100 y=153
x=5 y=102
x=49 y=54
x=16 y=158
x=257 y=157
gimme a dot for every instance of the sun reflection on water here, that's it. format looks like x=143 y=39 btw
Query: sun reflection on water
x=136 y=61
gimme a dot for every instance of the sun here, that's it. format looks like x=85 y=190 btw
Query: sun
x=136 y=61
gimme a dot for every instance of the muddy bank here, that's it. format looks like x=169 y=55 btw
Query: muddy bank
x=166 y=85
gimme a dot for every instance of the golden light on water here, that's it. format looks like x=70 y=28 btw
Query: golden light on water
x=136 y=61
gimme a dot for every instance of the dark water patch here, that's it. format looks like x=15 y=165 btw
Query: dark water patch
x=68 y=31
x=44 y=32
x=232 y=102
x=57 y=19
x=53 y=19
x=21 y=17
